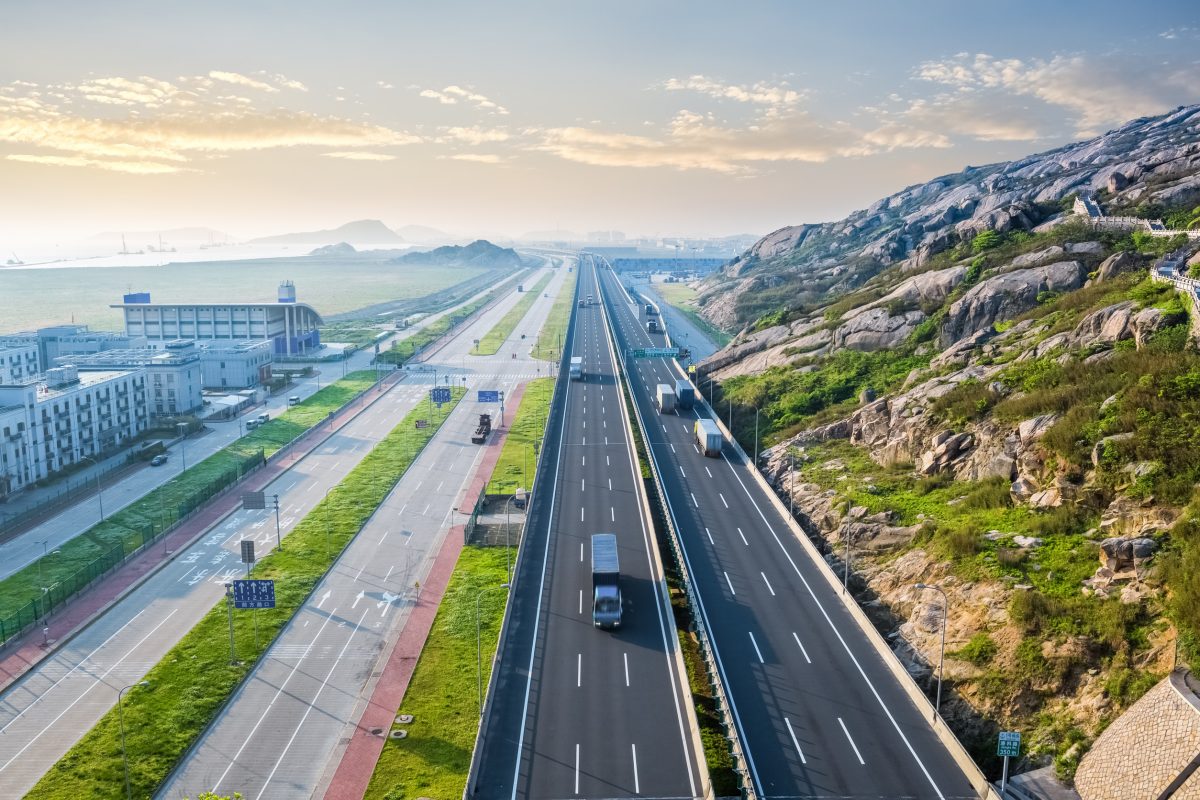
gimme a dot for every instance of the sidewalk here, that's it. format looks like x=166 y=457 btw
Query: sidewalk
x=23 y=652
x=358 y=761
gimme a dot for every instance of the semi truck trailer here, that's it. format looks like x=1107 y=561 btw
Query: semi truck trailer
x=606 y=581
x=576 y=368
x=709 y=438
x=685 y=394
x=665 y=398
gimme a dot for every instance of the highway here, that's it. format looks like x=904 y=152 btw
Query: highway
x=61 y=698
x=283 y=734
x=576 y=711
x=819 y=712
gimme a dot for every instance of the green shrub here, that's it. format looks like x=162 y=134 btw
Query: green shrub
x=985 y=241
x=980 y=650
x=989 y=493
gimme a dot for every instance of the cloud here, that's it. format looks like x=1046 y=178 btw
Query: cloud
x=241 y=80
x=979 y=115
x=360 y=155
x=1097 y=92
x=481 y=158
x=451 y=95
x=135 y=167
x=760 y=93
x=477 y=135
x=287 y=83
x=384 y=85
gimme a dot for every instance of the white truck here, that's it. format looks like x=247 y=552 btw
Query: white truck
x=709 y=438
x=576 y=368
x=665 y=398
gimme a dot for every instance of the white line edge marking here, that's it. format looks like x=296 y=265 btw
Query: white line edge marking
x=637 y=789
x=796 y=743
x=857 y=754
x=767 y=582
x=625 y=658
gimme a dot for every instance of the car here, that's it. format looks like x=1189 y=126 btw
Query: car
x=158 y=460
x=294 y=400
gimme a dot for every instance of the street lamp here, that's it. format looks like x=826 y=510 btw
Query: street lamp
x=182 y=428
x=45 y=543
x=479 y=645
x=99 y=496
x=937 y=708
x=121 y=720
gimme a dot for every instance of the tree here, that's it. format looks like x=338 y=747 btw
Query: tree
x=985 y=241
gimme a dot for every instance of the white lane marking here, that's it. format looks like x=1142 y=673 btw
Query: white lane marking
x=636 y=786
x=581 y=486
x=697 y=505
x=419 y=483
x=311 y=705
x=851 y=741
x=607 y=463
x=426 y=511
x=706 y=469
x=837 y=633
x=585 y=441
x=439 y=487
x=612 y=513
x=710 y=539
x=739 y=530
x=360 y=572
x=184 y=575
x=581 y=516
x=583 y=461
x=672 y=447
x=802 y=650
x=324 y=597
x=610 y=484
x=84 y=693
x=768 y=583
x=694 y=447
x=581 y=551
x=726 y=574
x=606 y=441
x=361 y=594
x=625 y=657
x=581 y=601
x=681 y=472
x=401 y=512
x=577 y=768
x=792 y=733
x=579 y=669
x=723 y=499
x=664 y=427
x=756 y=650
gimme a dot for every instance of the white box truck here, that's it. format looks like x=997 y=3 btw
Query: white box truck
x=709 y=438
x=665 y=398
x=576 y=368
x=606 y=581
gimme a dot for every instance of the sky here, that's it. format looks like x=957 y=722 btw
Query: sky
x=653 y=118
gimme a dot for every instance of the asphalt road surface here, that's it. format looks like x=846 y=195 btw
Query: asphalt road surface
x=819 y=712
x=578 y=711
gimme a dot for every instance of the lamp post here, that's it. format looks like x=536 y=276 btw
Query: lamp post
x=46 y=553
x=99 y=495
x=479 y=645
x=182 y=428
x=937 y=708
x=121 y=721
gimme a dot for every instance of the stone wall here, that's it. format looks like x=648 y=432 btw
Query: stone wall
x=1146 y=748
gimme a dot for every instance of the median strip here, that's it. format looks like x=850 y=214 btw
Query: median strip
x=550 y=339
x=491 y=341
x=190 y=685
x=518 y=458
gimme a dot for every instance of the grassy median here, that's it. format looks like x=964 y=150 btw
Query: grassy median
x=554 y=331
x=434 y=759
x=491 y=341
x=683 y=298
x=518 y=456
x=192 y=681
x=64 y=570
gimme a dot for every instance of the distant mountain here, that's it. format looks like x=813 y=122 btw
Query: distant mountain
x=170 y=236
x=363 y=231
x=479 y=253
x=423 y=234
x=339 y=249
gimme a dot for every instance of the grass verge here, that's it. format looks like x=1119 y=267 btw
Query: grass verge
x=434 y=759
x=518 y=457
x=683 y=298
x=188 y=686
x=492 y=340
x=550 y=338
x=124 y=531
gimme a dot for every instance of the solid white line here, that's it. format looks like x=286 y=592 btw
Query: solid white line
x=311 y=704
x=802 y=650
x=739 y=530
x=576 y=769
x=579 y=669
x=723 y=499
x=625 y=657
x=851 y=741
x=756 y=650
x=581 y=601
x=792 y=733
x=768 y=583
x=726 y=574
x=636 y=786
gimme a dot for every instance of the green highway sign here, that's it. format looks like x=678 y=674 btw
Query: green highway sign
x=1009 y=744
x=655 y=352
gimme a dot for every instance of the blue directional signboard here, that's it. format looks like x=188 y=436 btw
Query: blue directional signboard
x=254 y=594
x=440 y=394
x=486 y=396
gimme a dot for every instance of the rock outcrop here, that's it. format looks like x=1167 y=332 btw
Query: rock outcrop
x=1007 y=295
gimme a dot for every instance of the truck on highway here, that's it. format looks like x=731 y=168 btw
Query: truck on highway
x=483 y=429
x=651 y=311
x=709 y=438
x=685 y=394
x=665 y=398
x=590 y=300
x=576 y=368
x=652 y=325
x=520 y=287
x=582 y=302
x=606 y=581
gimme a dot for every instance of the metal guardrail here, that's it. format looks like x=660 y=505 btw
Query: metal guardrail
x=703 y=637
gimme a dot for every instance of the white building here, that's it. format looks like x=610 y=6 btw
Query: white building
x=18 y=363
x=57 y=341
x=174 y=376
x=236 y=365
x=291 y=327
x=64 y=416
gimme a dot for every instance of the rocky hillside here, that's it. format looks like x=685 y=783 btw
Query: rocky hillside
x=992 y=395
x=1148 y=164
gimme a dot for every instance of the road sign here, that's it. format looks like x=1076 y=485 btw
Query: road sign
x=440 y=394
x=247 y=551
x=486 y=396
x=254 y=594
x=691 y=369
x=1009 y=744
x=254 y=500
x=422 y=423
x=655 y=352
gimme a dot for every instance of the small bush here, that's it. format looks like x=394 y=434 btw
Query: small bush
x=963 y=542
x=1010 y=557
x=989 y=493
x=980 y=650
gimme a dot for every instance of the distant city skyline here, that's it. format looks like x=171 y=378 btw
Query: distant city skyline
x=666 y=119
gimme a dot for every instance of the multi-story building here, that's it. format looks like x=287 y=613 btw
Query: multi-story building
x=18 y=363
x=236 y=365
x=57 y=341
x=291 y=327
x=65 y=416
x=174 y=375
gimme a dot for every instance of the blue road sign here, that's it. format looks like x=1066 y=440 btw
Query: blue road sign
x=440 y=394
x=1009 y=744
x=486 y=396
x=254 y=594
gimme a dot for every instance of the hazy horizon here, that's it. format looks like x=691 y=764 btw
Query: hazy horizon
x=696 y=120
